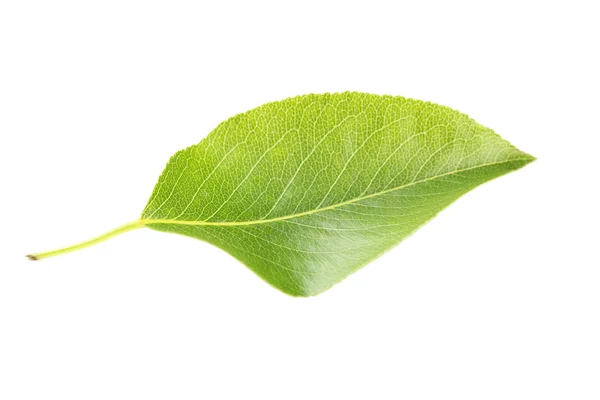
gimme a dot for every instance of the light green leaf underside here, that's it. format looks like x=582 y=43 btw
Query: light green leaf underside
x=307 y=190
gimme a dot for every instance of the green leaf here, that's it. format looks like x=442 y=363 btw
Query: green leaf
x=307 y=190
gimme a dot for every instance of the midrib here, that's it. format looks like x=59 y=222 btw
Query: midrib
x=318 y=210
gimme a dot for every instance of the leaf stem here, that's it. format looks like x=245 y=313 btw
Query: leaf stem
x=122 y=229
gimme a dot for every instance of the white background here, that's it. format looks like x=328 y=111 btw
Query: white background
x=497 y=298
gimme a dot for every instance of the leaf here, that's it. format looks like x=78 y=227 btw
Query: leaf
x=307 y=190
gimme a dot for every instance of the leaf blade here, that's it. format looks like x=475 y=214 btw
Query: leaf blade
x=289 y=187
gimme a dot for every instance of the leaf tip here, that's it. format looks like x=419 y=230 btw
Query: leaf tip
x=530 y=159
x=32 y=257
